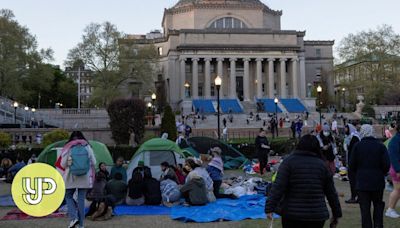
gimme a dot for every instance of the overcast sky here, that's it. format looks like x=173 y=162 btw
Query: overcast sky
x=59 y=23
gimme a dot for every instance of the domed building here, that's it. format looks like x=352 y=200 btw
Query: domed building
x=242 y=42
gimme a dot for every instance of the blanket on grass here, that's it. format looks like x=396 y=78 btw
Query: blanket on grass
x=6 y=201
x=16 y=214
x=141 y=210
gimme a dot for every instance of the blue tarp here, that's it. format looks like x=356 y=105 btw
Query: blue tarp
x=246 y=207
x=6 y=201
x=141 y=210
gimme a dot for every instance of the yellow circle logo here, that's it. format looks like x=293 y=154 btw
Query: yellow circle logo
x=38 y=189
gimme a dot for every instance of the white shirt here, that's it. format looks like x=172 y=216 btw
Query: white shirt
x=334 y=125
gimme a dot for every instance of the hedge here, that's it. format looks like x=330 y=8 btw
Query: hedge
x=280 y=146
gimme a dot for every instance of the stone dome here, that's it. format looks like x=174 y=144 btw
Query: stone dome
x=184 y=3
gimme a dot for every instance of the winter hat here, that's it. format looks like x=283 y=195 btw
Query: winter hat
x=140 y=164
x=325 y=127
x=216 y=150
x=366 y=131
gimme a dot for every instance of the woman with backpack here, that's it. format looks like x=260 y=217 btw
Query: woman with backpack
x=78 y=166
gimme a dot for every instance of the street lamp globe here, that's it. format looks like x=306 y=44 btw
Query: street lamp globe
x=26 y=108
x=15 y=104
x=149 y=105
x=187 y=85
x=33 y=109
x=153 y=96
x=344 y=89
x=276 y=101
x=218 y=81
x=319 y=89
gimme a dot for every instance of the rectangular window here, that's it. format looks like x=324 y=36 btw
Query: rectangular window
x=201 y=68
x=188 y=68
x=228 y=22
x=212 y=68
x=200 y=90
x=318 y=52
x=212 y=90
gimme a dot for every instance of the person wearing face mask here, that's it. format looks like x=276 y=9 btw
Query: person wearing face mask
x=328 y=146
x=352 y=137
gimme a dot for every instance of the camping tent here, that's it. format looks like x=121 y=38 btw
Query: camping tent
x=232 y=158
x=50 y=154
x=155 y=151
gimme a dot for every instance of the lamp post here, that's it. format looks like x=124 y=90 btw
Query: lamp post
x=276 y=101
x=344 y=99
x=33 y=115
x=187 y=91
x=153 y=98
x=218 y=82
x=319 y=91
x=15 y=105
x=26 y=114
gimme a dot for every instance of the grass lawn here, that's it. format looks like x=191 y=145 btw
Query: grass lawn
x=351 y=217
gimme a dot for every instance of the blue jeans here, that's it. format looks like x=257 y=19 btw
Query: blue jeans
x=76 y=210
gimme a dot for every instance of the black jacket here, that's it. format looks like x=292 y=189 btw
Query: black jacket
x=300 y=189
x=152 y=192
x=370 y=163
x=136 y=189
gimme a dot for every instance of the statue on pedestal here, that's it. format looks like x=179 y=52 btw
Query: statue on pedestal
x=360 y=105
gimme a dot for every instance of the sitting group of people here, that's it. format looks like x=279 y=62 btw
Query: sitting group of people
x=8 y=170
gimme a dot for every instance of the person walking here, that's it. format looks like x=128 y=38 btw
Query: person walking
x=262 y=150
x=351 y=138
x=300 y=188
x=394 y=153
x=77 y=162
x=370 y=163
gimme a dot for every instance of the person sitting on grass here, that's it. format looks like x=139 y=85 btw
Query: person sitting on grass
x=13 y=170
x=169 y=191
x=116 y=189
x=103 y=169
x=179 y=174
x=194 y=190
x=5 y=165
x=118 y=168
x=152 y=191
x=101 y=206
x=167 y=172
x=216 y=170
x=136 y=187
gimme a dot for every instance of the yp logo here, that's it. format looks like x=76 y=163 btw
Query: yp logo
x=38 y=189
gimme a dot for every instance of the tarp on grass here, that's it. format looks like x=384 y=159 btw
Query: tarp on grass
x=246 y=207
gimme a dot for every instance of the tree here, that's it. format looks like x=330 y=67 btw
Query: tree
x=99 y=51
x=19 y=56
x=127 y=117
x=168 y=124
x=55 y=136
x=5 y=140
x=379 y=49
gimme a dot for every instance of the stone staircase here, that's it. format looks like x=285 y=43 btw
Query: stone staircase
x=249 y=106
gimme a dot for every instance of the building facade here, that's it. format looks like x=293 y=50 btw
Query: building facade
x=242 y=42
x=86 y=79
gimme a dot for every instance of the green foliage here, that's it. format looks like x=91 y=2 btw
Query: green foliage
x=368 y=111
x=168 y=123
x=127 y=117
x=55 y=136
x=5 y=140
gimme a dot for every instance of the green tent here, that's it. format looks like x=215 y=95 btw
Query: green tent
x=155 y=151
x=50 y=154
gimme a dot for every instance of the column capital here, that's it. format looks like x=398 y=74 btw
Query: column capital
x=246 y=59
x=220 y=59
x=182 y=59
x=271 y=59
x=195 y=59
x=283 y=59
x=294 y=59
x=259 y=59
x=207 y=59
x=233 y=59
x=302 y=58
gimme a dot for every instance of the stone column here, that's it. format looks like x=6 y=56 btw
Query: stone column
x=294 y=77
x=246 y=80
x=302 y=77
x=183 y=78
x=259 y=78
x=207 y=78
x=195 y=78
x=271 y=81
x=220 y=72
x=233 y=78
x=283 y=78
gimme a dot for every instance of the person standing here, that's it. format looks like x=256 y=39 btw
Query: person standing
x=370 y=163
x=293 y=129
x=300 y=188
x=77 y=162
x=262 y=150
x=328 y=145
x=351 y=138
x=225 y=134
x=394 y=153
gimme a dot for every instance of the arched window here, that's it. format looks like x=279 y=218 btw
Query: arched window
x=228 y=23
